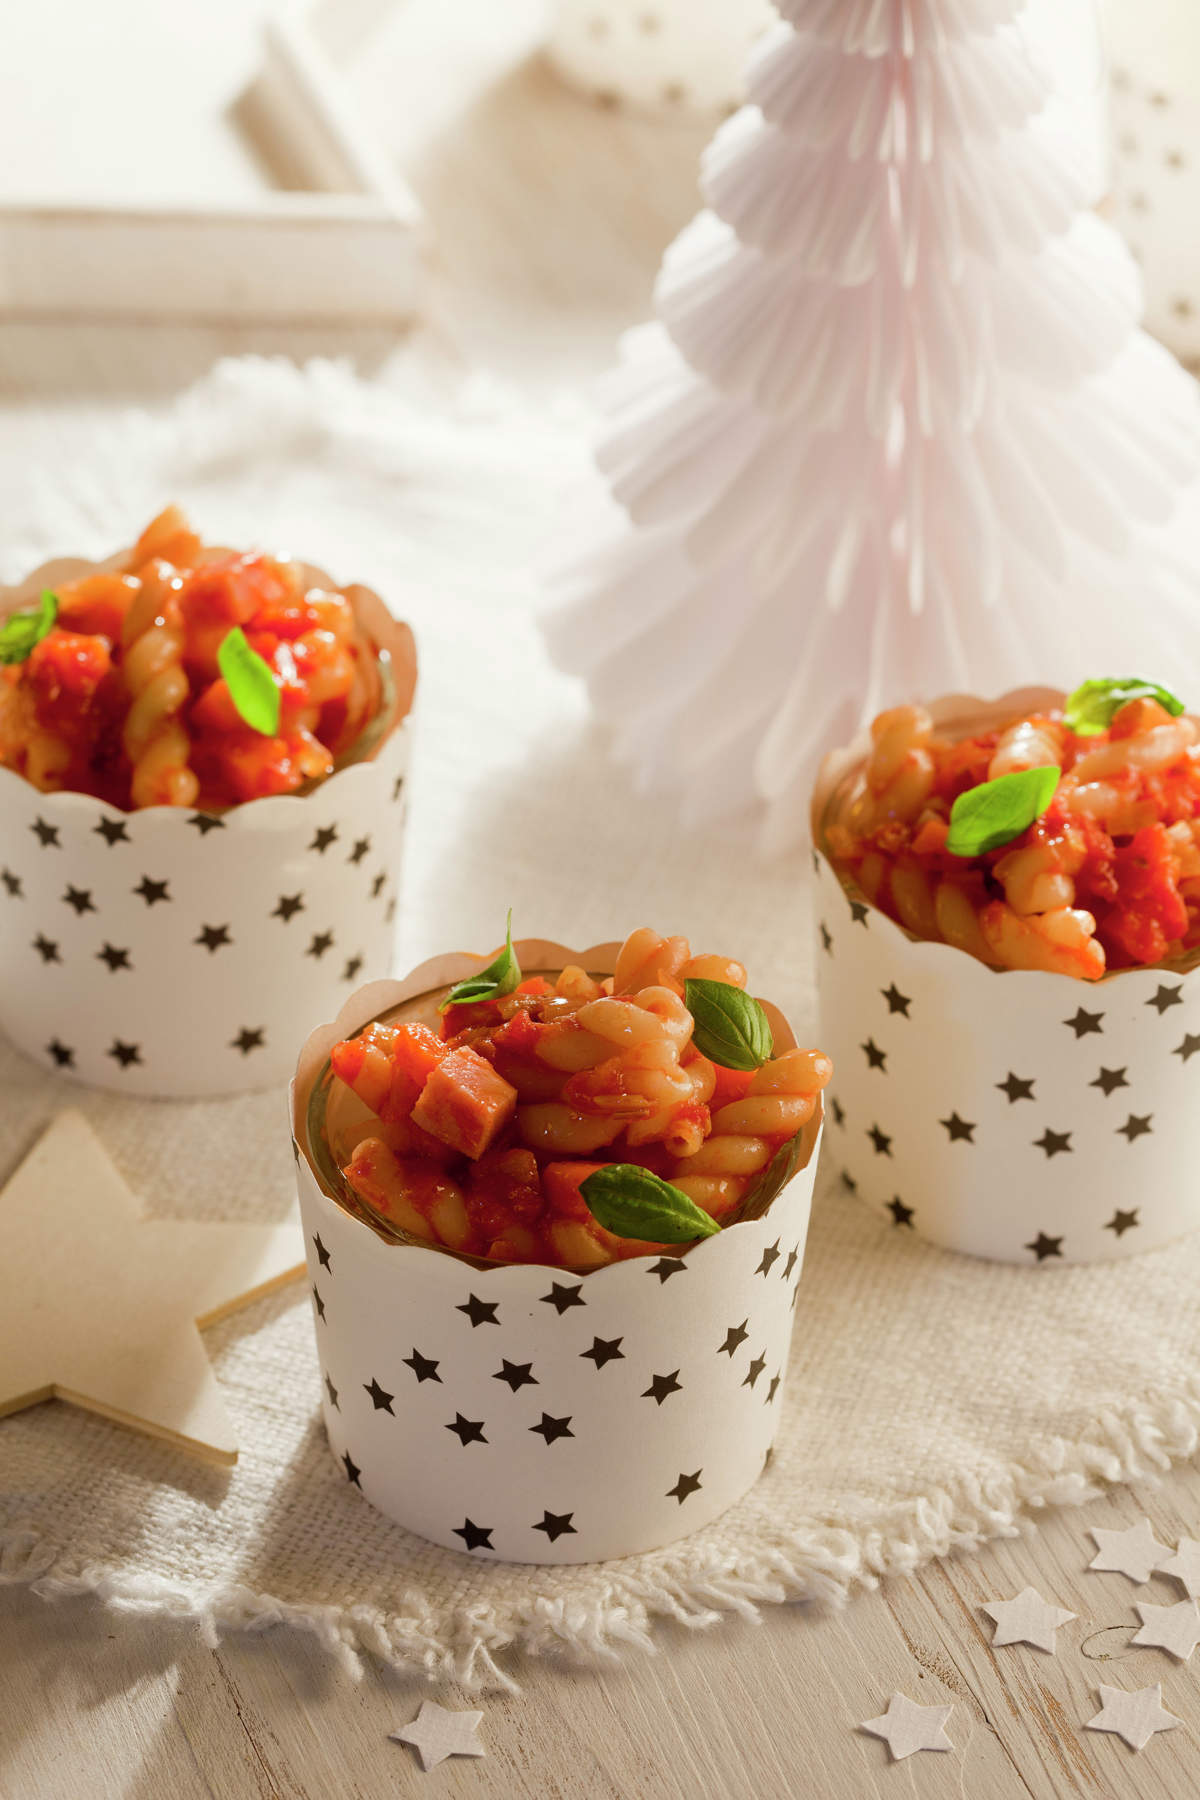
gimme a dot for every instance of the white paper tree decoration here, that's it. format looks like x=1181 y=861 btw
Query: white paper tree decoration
x=895 y=431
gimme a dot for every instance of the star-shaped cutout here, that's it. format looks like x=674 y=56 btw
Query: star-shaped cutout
x=467 y=1431
x=480 y=1312
x=333 y=1394
x=1109 y=1080
x=896 y=1001
x=958 y=1130
x=1175 y=1629
x=1134 y=1714
x=793 y=1257
x=552 y=1429
x=475 y=1537
x=661 y=1386
x=556 y=1525
x=381 y=1400
x=249 y=1039
x=1185 y=1566
x=323 y=837
x=320 y=943
x=353 y=965
x=826 y=937
x=115 y=957
x=1054 y=1143
x=517 y=1375
x=1188 y=1048
x=1026 y=1620
x=1015 y=1087
x=901 y=1214
x=46 y=835
x=113 y=831
x=64 y=1058
x=666 y=1266
x=1043 y=1246
x=604 y=1350
x=1135 y=1552
x=754 y=1371
x=205 y=822
x=46 y=948
x=288 y=906
x=115 y=1326
x=12 y=884
x=151 y=891
x=858 y=912
x=685 y=1486
x=319 y=1304
x=361 y=847
x=423 y=1367
x=213 y=937
x=562 y=1298
x=838 y=1111
x=1136 y=1126
x=881 y=1141
x=876 y=1058
x=436 y=1733
x=352 y=1469
x=735 y=1337
x=1082 y=1022
x=1121 y=1222
x=906 y=1727
x=770 y=1256
x=80 y=899
x=127 y=1055
x=1165 y=997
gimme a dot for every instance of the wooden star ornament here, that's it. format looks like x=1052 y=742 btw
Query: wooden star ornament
x=103 y=1308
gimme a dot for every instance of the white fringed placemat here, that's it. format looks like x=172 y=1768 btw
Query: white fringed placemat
x=932 y=1400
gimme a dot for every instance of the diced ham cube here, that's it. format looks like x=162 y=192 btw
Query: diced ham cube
x=465 y=1103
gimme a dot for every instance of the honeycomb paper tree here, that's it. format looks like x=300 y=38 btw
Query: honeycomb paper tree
x=895 y=430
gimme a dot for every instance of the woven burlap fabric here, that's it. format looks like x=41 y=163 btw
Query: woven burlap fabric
x=932 y=1400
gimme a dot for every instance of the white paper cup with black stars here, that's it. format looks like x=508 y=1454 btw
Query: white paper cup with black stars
x=1025 y=1117
x=180 y=954
x=525 y=1413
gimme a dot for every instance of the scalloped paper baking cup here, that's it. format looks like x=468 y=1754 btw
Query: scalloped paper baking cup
x=524 y=1413
x=1025 y=1117
x=180 y=954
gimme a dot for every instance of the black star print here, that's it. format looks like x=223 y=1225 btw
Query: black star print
x=1054 y=1143
x=46 y=948
x=881 y=1141
x=552 y=1429
x=1136 y=1126
x=792 y=1260
x=46 y=834
x=1122 y=1222
x=352 y=1469
x=204 y=823
x=115 y=957
x=687 y=1484
x=389 y=911
x=959 y=1129
x=377 y=884
x=468 y=1431
x=666 y=1266
x=774 y=1387
x=397 y=787
x=876 y=1058
x=352 y=967
x=562 y=1298
x=322 y=941
x=1082 y=1022
x=847 y=1179
x=213 y=937
x=897 y=1002
x=332 y=1392
x=248 y=1040
x=661 y=1386
x=112 y=831
x=769 y=1256
x=319 y=1304
x=361 y=847
x=480 y=1312
x=816 y=862
x=152 y=891
x=555 y=1525
x=826 y=937
x=323 y=837
x=381 y=1400
x=755 y=1370
x=1188 y=1048
x=1110 y=1080
x=475 y=1537
x=1017 y=1088
x=12 y=883
x=858 y=912
x=126 y=1054
x=423 y=1367
x=323 y=1256
x=517 y=1375
x=901 y=1214
x=289 y=905
x=1043 y=1246
x=80 y=899
x=734 y=1337
x=838 y=1111
x=63 y=1057
x=605 y=1350
x=1164 y=997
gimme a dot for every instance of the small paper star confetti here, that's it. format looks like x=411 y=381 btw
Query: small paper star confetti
x=1136 y=1552
x=436 y=1733
x=1134 y=1716
x=1026 y=1620
x=906 y=1727
x=1172 y=1628
x=1185 y=1566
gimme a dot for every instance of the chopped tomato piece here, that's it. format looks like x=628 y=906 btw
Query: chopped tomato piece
x=1149 y=914
x=465 y=1103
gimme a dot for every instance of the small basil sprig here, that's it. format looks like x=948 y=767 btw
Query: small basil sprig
x=996 y=812
x=729 y=1027
x=1091 y=708
x=21 y=631
x=251 y=683
x=500 y=977
x=631 y=1202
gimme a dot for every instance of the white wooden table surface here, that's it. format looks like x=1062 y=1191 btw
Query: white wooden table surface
x=548 y=218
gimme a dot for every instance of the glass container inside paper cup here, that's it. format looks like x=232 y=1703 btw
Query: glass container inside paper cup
x=529 y=1413
x=176 y=953
x=1022 y=1116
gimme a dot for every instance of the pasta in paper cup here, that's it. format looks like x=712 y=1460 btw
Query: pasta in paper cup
x=1014 y=1114
x=529 y=1413
x=172 y=952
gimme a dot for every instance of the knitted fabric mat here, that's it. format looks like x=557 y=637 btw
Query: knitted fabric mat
x=932 y=1401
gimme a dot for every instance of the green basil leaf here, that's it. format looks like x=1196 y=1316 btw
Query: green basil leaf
x=730 y=1027
x=1090 y=709
x=767 y=1185
x=251 y=682
x=632 y=1203
x=500 y=977
x=997 y=811
x=21 y=631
